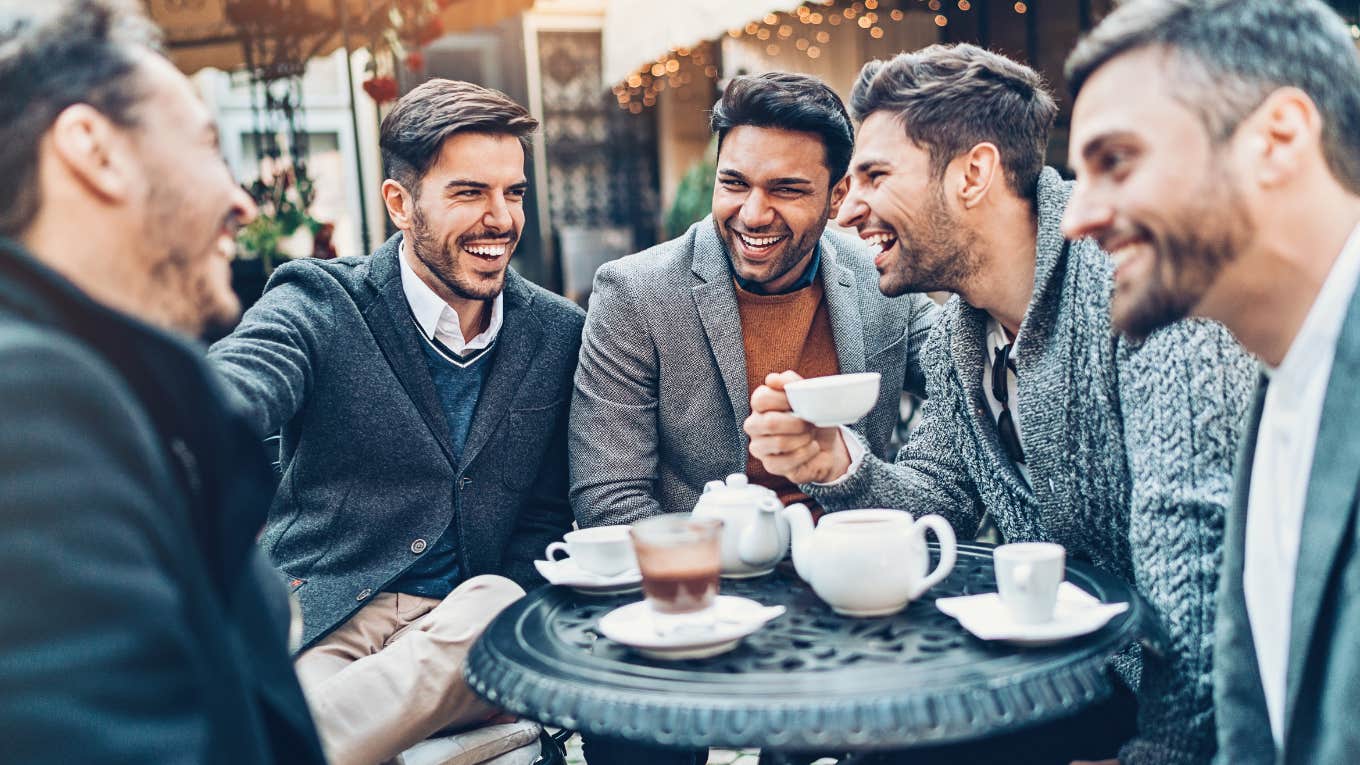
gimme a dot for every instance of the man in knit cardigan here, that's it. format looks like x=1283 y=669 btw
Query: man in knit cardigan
x=1037 y=413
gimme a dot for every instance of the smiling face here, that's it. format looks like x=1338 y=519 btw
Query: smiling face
x=897 y=203
x=771 y=202
x=1154 y=190
x=468 y=215
x=190 y=206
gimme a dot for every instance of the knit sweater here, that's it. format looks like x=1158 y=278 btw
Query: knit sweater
x=1130 y=449
x=779 y=332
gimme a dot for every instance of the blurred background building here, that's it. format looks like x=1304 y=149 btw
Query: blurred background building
x=622 y=88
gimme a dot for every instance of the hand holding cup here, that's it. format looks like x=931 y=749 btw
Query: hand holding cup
x=789 y=445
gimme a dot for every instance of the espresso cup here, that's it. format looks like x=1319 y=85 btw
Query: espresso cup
x=1027 y=578
x=680 y=557
x=834 y=399
x=603 y=550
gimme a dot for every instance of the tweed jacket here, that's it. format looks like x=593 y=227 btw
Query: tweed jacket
x=1322 y=687
x=661 y=388
x=1129 y=447
x=140 y=623
x=331 y=356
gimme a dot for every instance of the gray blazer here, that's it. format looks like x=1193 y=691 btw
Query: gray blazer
x=330 y=355
x=1323 y=678
x=661 y=387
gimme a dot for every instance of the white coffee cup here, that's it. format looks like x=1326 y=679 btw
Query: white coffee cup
x=834 y=399
x=1027 y=577
x=603 y=550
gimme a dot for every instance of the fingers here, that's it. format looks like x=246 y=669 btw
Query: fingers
x=762 y=424
x=767 y=399
x=797 y=465
x=777 y=380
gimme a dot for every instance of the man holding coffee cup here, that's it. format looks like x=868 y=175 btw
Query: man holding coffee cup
x=1038 y=413
x=678 y=336
x=1217 y=146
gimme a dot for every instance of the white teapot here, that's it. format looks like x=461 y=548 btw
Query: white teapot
x=868 y=562
x=755 y=535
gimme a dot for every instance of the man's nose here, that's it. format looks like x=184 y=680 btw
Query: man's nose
x=756 y=211
x=1085 y=214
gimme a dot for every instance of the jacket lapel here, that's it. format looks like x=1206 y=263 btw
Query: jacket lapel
x=389 y=317
x=715 y=298
x=516 y=346
x=1330 y=505
x=847 y=324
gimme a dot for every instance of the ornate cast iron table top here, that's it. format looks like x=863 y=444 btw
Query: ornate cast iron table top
x=810 y=680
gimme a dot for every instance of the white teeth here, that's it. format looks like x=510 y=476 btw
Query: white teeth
x=765 y=241
x=879 y=242
x=487 y=251
x=1122 y=255
x=875 y=249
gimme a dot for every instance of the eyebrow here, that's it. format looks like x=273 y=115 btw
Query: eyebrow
x=1094 y=145
x=786 y=181
x=464 y=183
x=863 y=166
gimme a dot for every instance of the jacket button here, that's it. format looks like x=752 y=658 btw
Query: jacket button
x=363 y=594
x=419 y=546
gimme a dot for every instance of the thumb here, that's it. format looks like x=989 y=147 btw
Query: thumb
x=777 y=380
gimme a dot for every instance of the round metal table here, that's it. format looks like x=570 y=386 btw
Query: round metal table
x=810 y=680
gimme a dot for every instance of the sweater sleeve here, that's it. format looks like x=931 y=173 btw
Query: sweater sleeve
x=929 y=474
x=1183 y=393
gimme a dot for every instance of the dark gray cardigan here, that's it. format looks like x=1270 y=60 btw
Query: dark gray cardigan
x=330 y=356
x=1130 y=448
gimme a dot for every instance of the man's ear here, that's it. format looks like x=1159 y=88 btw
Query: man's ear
x=99 y=155
x=401 y=205
x=1280 y=136
x=838 y=193
x=981 y=168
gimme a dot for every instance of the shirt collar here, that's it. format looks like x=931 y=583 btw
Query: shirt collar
x=436 y=318
x=1316 y=341
x=805 y=280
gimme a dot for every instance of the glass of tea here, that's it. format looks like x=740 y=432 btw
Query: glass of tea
x=680 y=558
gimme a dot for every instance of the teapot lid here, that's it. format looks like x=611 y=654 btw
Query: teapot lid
x=737 y=488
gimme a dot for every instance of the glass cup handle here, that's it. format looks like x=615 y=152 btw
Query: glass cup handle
x=556 y=547
x=948 y=550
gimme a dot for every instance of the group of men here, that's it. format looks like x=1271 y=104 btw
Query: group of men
x=440 y=419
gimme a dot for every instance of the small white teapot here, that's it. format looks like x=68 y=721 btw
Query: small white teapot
x=755 y=535
x=868 y=562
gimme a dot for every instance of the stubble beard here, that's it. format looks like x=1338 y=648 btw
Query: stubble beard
x=186 y=294
x=934 y=253
x=444 y=266
x=1187 y=262
x=795 y=252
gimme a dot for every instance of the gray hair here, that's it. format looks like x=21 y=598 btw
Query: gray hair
x=1229 y=55
x=950 y=98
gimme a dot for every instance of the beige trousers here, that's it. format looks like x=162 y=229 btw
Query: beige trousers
x=392 y=675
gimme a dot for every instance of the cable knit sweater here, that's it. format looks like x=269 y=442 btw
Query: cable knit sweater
x=1129 y=447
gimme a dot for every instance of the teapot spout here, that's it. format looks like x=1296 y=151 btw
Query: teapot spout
x=800 y=527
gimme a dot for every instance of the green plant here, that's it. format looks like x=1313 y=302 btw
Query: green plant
x=694 y=195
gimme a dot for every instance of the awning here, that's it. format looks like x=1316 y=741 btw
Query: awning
x=199 y=35
x=638 y=32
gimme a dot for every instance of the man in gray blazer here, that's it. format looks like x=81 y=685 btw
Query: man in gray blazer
x=1217 y=146
x=422 y=397
x=678 y=336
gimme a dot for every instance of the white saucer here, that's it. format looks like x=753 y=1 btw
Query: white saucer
x=1077 y=613
x=733 y=619
x=566 y=573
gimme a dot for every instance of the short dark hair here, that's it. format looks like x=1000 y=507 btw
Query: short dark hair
x=413 y=133
x=1229 y=55
x=53 y=56
x=950 y=98
x=788 y=101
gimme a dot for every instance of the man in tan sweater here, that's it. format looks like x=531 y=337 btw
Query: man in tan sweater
x=678 y=336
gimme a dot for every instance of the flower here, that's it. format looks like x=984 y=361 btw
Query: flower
x=415 y=61
x=382 y=89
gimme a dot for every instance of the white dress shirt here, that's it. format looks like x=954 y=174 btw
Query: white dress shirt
x=996 y=338
x=1279 y=477
x=436 y=319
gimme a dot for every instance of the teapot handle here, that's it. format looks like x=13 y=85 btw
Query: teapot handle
x=948 y=551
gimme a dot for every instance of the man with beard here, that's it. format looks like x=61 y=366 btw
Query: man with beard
x=421 y=394
x=140 y=624
x=1218 y=154
x=678 y=336
x=1037 y=413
